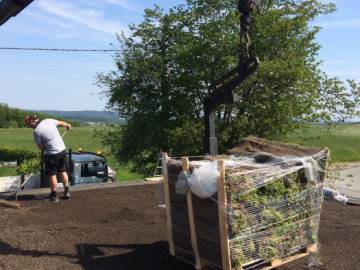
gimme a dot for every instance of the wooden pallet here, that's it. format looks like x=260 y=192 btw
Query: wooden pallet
x=267 y=265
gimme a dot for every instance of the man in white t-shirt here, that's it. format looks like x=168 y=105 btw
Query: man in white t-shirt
x=48 y=139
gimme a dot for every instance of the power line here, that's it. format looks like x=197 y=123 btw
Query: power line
x=58 y=50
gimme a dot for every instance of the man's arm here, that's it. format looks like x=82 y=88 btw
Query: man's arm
x=64 y=124
x=38 y=141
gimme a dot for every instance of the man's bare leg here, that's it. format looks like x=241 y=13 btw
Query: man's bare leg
x=53 y=186
x=65 y=178
x=53 y=183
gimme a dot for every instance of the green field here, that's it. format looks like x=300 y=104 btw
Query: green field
x=79 y=137
x=343 y=141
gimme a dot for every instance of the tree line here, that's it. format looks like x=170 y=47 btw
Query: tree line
x=14 y=118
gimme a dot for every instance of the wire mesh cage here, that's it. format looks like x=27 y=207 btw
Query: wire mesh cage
x=256 y=208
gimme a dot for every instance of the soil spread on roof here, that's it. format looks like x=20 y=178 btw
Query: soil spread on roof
x=124 y=228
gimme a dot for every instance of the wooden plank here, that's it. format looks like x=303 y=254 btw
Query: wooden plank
x=9 y=204
x=281 y=261
x=223 y=227
x=312 y=249
x=278 y=262
x=185 y=166
x=168 y=204
x=154 y=179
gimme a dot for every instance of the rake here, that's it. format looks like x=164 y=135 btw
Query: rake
x=15 y=204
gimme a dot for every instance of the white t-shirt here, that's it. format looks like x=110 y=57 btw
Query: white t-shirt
x=47 y=134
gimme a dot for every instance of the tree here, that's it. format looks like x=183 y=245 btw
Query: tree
x=168 y=63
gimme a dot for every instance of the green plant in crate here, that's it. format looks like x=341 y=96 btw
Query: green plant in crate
x=272 y=216
x=243 y=251
x=276 y=212
x=238 y=258
x=269 y=247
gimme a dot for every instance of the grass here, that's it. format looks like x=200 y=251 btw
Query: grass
x=5 y=171
x=78 y=137
x=342 y=140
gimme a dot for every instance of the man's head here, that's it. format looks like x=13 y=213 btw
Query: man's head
x=31 y=120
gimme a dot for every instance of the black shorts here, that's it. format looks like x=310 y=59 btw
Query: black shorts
x=55 y=163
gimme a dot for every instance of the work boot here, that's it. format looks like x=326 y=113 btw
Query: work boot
x=66 y=194
x=53 y=197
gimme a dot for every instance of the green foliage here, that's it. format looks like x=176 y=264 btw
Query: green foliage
x=14 y=118
x=171 y=58
x=27 y=161
x=10 y=117
x=273 y=219
x=18 y=155
x=29 y=166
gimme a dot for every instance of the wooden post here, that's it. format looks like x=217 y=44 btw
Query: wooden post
x=222 y=205
x=185 y=166
x=168 y=204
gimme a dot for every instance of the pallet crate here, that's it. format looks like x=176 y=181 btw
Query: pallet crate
x=225 y=231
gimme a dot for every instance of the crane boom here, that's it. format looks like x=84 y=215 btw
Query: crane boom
x=221 y=92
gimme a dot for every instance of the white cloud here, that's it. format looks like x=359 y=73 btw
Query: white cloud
x=121 y=3
x=90 y=18
x=340 y=24
x=32 y=30
x=49 y=19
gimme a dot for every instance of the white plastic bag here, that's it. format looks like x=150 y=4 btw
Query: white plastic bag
x=203 y=180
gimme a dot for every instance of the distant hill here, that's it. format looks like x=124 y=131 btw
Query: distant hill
x=96 y=117
x=14 y=118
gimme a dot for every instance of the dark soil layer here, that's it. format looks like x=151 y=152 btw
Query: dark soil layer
x=123 y=228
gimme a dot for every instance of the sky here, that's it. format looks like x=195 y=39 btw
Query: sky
x=67 y=81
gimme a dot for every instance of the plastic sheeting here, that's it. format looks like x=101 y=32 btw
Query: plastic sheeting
x=263 y=168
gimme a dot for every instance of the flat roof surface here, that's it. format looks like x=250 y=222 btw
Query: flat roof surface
x=125 y=228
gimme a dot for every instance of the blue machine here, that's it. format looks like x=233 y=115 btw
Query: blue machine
x=87 y=168
x=83 y=168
